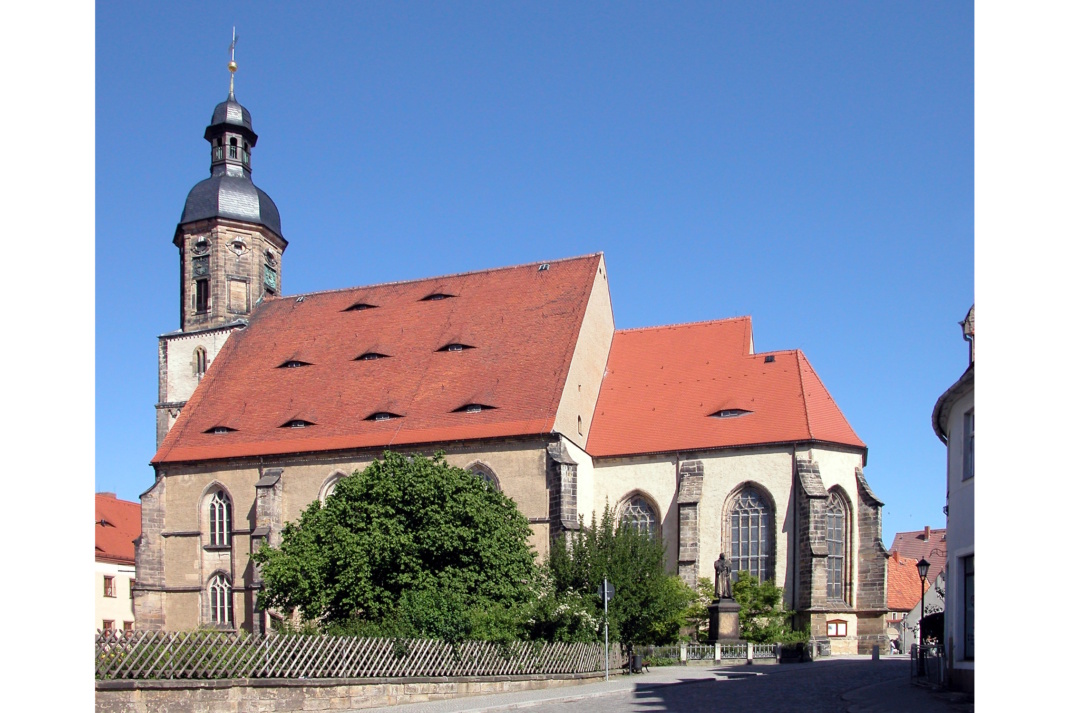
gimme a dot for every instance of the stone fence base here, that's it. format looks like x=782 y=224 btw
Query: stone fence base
x=274 y=694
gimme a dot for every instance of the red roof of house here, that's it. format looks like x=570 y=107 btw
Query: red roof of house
x=914 y=544
x=904 y=587
x=118 y=524
x=523 y=323
x=663 y=383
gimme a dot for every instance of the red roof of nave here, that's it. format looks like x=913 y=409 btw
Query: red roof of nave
x=118 y=524
x=523 y=323
x=662 y=384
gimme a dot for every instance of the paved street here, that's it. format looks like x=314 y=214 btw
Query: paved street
x=841 y=685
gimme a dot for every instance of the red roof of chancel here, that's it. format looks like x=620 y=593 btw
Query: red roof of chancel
x=523 y=323
x=663 y=383
x=118 y=524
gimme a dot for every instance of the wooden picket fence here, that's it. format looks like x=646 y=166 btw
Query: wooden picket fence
x=219 y=654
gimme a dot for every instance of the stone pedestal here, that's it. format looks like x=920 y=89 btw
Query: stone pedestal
x=724 y=621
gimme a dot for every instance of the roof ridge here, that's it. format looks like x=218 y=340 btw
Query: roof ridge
x=684 y=324
x=435 y=277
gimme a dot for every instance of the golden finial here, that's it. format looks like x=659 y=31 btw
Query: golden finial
x=232 y=65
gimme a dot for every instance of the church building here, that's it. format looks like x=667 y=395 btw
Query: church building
x=517 y=374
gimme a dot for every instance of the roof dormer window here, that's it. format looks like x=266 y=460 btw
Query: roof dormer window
x=729 y=413
x=369 y=356
x=293 y=364
x=297 y=423
x=221 y=429
x=473 y=408
x=456 y=347
x=435 y=296
x=382 y=416
x=359 y=307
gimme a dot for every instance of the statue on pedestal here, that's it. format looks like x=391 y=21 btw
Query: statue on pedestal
x=723 y=582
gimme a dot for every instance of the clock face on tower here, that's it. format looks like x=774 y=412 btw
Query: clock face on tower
x=271 y=279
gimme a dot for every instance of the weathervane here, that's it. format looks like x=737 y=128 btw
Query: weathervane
x=232 y=65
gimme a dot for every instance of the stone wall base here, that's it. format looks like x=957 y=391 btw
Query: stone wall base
x=265 y=695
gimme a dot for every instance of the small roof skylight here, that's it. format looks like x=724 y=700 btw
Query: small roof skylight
x=221 y=429
x=369 y=356
x=473 y=408
x=455 y=347
x=434 y=296
x=359 y=307
x=297 y=423
x=729 y=413
x=382 y=416
x=293 y=364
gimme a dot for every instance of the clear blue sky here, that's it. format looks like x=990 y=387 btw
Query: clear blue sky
x=808 y=164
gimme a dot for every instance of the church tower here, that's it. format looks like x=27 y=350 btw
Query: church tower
x=230 y=248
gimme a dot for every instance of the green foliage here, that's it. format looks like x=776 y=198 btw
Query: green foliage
x=762 y=618
x=698 y=613
x=649 y=606
x=407 y=547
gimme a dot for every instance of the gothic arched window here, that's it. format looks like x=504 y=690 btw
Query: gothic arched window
x=219 y=519
x=639 y=513
x=219 y=600
x=486 y=475
x=749 y=521
x=837 y=536
x=200 y=362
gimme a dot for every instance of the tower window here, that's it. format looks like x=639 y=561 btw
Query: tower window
x=201 y=296
x=233 y=148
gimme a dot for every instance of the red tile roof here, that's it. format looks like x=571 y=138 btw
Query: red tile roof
x=904 y=587
x=522 y=321
x=934 y=550
x=662 y=384
x=118 y=524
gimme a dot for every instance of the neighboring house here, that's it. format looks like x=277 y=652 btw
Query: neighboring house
x=904 y=594
x=953 y=421
x=518 y=375
x=118 y=523
x=928 y=544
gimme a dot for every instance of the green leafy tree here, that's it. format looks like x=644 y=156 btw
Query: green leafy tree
x=410 y=546
x=649 y=606
x=762 y=618
x=698 y=613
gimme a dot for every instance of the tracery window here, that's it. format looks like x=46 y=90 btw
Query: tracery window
x=219 y=591
x=486 y=475
x=219 y=519
x=640 y=514
x=750 y=531
x=836 y=536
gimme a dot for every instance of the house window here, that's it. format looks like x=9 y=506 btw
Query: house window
x=967 y=445
x=109 y=625
x=128 y=626
x=638 y=513
x=132 y=583
x=201 y=296
x=219 y=519
x=750 y=530
x=836 y=537
x=967 y=608
x=200 y=362
x=837 y=627
x=109 y=586
x=219 y=600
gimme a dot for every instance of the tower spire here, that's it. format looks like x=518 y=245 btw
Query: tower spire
x=232 y=65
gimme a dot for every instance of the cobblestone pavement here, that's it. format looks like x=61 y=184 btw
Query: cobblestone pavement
x=840 y=685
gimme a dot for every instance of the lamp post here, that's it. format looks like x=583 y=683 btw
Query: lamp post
x=923 y=572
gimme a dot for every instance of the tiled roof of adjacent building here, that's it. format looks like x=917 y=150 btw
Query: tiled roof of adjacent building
x=697 y=386
x=118 y=524
x=929 y=543
x=904 y=585
x=514 y=330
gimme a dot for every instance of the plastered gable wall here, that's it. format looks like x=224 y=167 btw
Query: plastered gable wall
x=588 y=365
x=615 y=479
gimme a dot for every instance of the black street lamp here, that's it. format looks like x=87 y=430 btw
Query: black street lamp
x=923 y=572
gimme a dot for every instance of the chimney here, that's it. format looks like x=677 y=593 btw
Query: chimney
x=927 y=531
